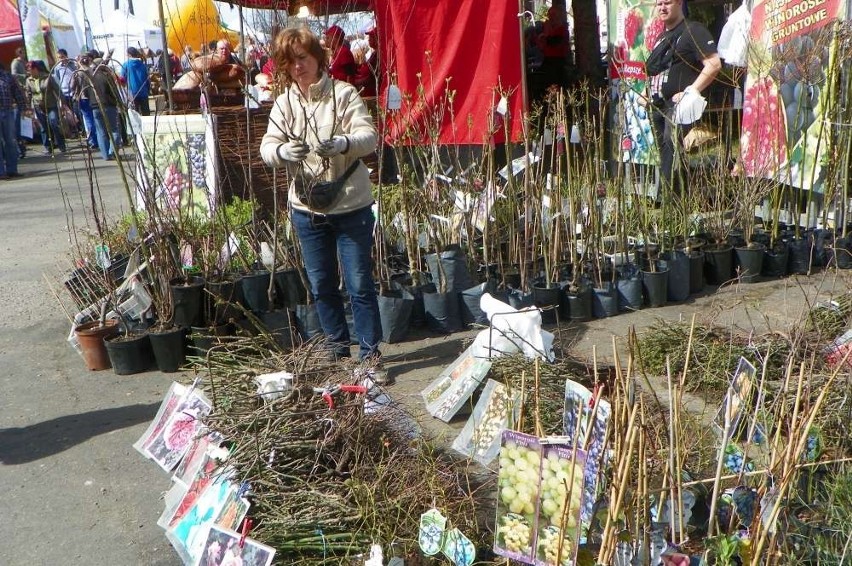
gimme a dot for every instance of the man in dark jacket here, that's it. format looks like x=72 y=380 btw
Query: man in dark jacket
x=683 y=59
x=11 y=101
x=103 y=95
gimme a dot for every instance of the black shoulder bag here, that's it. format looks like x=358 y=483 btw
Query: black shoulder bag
x=321 y=196
x=660 y=59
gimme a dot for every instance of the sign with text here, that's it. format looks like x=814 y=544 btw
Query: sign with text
x=790 y=90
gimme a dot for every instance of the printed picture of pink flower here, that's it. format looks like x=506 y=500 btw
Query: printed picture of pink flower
x=181 y=430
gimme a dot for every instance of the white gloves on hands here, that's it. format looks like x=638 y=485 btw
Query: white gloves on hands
x=293 y=150
x=690 y=107
x=332 y=147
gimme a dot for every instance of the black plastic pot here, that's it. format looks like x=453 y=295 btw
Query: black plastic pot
x=278 y=324
x=517 y=299
x=255 y=291
x=187 y=301
x=799 y=260
x=395 y=306
x=221 y=300
x=547 y=298
x=718 y=264
x=455 y=271
x=750 y=262
x=604 y=302
x=678 y=285
x=204 y=338
x=628 y=287
x=289 y=289
x=418 y=311
x=579 y=303
x=129 y=354
x=442 y=311
x=655 y=287
x=471 y=313
x=169 y=347
x=775 y=260
x=307 y=321
x=841 y=254
x=696 y=271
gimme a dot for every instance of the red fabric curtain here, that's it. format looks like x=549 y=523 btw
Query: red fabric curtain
x=10 y=24
x=469 y=47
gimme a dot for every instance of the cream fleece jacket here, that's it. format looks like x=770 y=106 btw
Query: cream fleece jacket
x=331 y=108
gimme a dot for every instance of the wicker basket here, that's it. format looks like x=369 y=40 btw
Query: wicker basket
x=242 y=172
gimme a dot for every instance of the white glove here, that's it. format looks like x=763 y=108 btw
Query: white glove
x=690 y=107
x=332 y=147
x=293 y=150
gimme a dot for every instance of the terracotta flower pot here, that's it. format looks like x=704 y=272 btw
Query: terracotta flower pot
x=91 y=336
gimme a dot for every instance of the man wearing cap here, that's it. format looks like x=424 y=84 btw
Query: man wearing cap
x=342 y=63
x=135 y=74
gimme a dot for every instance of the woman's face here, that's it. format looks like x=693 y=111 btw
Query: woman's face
x=33 y=71
x=304 y=68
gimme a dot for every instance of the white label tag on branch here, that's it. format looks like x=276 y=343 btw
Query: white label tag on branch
x=575 y=134
x=503 y=106
x=394 y=98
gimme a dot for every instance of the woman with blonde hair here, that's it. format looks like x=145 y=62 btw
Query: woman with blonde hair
x=319 y=128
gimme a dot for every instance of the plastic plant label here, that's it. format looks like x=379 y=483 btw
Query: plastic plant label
x=560 y=504
x=102 y=256
x=458 y=548
x=580 y=404
x=496 y=411
x=394 y=98
x=431 y=534
x=517 y=491
x=449 y=391
x=739 y=394
x=503 y=106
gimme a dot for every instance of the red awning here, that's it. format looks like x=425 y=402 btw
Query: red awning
x=10 y=24
x=317 y=7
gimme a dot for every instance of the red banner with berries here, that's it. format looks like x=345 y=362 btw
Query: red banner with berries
x=634 y=31
x=789 y=91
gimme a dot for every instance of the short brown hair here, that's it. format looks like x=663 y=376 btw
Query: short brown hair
x=283 y=54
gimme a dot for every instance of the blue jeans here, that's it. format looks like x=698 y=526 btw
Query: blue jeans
x=347 y=238
x=51 y=132
x=8 y=142
x=89 y=122
x=106 y=126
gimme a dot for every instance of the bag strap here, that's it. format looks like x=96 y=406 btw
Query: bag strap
x=349 y=170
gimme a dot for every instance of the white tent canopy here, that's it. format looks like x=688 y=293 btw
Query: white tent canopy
x=119 y=30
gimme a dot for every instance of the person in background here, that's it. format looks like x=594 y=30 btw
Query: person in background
x=79 y=84
x=63 y=72
x=11 y=100
x=102 y=91
x=555 y=45
x=368 y=73
x=135 y=74
x=683 y=59
x=174 y=66
x=342 y=63
x=44 y=94
x=19 y=71
x=186 y=58
x=326 y=143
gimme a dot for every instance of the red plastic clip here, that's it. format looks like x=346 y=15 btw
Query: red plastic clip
x=595 y=395
x=245 y=531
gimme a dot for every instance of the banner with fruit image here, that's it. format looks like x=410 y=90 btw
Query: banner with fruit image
x=636 y=32
x=540 y=490
x=789 y=91
x=178 y=164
